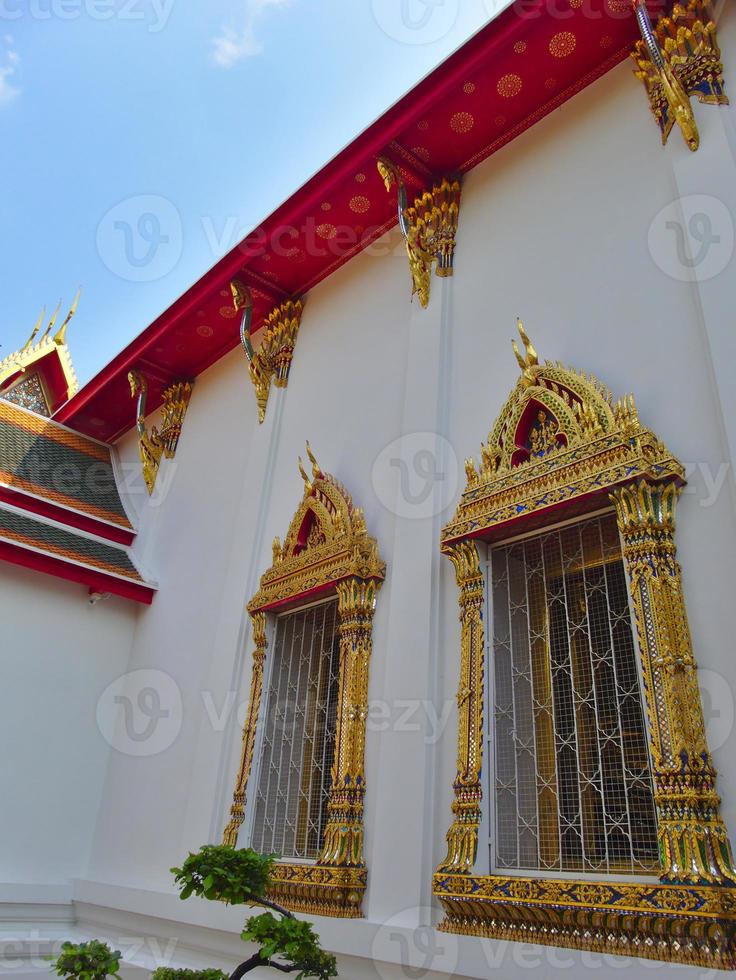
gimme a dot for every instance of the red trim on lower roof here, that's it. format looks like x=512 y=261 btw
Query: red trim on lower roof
x=63 y=516
x=95 y=581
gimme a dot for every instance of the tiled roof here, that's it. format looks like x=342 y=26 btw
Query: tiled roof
x=60 y=543
x=60 y=509
x=41 y=457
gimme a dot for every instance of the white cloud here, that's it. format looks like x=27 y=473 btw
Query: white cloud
x=9 y=60
x=232 y=44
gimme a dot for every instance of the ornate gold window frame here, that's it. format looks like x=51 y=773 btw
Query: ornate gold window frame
x=584 y=450
x=327 y=550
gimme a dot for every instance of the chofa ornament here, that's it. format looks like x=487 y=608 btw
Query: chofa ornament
x=563 y=446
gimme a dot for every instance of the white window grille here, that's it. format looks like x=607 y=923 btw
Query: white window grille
x=298 y=742
x=572 y=779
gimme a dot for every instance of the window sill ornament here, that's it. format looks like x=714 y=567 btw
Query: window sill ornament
x=155 y=445
x=588 y=450
x=677 y=59
x=272 y=360
x=327 y=550
x=429 y=227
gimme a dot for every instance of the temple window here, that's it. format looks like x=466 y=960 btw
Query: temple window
x=571 y=780
x=312 y=620
x=581 y=740
x=298 y=747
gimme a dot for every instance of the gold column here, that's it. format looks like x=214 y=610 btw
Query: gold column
x=693 y=841
x=343 y=837
x=462 y=837
x=237 y=810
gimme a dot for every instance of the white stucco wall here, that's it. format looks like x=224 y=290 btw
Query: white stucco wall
x=556 y=228
x=58 y=655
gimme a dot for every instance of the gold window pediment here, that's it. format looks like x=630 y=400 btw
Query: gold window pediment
x=562 y=447
x=327 y=550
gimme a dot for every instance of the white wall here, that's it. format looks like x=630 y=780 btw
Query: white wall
x=59 y=654
x=554 y=228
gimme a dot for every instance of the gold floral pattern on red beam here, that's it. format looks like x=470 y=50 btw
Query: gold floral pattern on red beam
x=462 y=122
x=562 y=44
x=509 y=85
x=359 y=204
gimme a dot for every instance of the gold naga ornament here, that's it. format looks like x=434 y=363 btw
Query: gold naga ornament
x=327 y=550
x=272 y=360
x=156 y=445
x=591 y=451
x=429 y=227
x=676 y=59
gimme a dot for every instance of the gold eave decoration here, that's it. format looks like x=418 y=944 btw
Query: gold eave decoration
x=327 y=550
x=271 y=362
x=429 y=227
x=563 y=446
x=677 y=58
x=158 y=444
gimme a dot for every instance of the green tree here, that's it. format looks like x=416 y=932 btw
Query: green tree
x=240 y=877
x=236 y=877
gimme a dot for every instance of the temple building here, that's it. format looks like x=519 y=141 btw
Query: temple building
x=402 y=545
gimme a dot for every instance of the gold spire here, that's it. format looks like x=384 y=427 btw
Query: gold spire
x=52 y=321
x=316 y=471
x=60 y=335
x=34 y=332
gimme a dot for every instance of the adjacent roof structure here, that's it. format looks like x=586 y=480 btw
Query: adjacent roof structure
x=527 y=62
x=40 y=376
x=60 y=508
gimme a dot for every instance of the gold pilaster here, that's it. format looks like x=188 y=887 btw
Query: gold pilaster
x=343 y=839
x=693 y=840
x=237 y=810
x=462 y=837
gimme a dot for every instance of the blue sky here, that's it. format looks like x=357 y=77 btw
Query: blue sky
x=183 y=120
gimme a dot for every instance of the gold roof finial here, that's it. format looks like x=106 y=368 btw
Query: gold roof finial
x=530 y=358
x=51 y=323
x=316 y=471
x=307 y=481
x=29 y=343
x=60 y=335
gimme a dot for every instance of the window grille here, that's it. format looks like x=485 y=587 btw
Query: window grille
x=573 y=788
x=299 y=734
